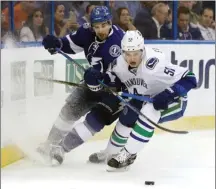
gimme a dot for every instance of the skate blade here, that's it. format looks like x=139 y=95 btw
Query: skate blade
x=54 y=163
x=112 y=169
x=99 y=162
x=47 y=160
x=43 y=158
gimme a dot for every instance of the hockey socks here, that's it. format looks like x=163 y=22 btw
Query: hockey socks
x=139 y=136
x=118 y=138
x=59 y=130
x=79 y=134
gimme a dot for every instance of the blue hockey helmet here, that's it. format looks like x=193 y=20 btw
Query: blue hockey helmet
x=100 y=14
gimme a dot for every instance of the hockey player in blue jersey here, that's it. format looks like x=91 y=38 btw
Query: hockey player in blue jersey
x=100 y=42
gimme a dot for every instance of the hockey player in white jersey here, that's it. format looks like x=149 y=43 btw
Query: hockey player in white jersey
x=144 y=71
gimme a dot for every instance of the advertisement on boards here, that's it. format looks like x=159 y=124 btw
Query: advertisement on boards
x=202 y=67
x=18 y=87
x=18 y=80
x=74 y=73
x=199 y=58
x=43 y=69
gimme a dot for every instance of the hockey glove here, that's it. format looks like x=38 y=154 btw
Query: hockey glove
x=163 y=99
x=51 y=42
x=91 y=77
x=172 y=94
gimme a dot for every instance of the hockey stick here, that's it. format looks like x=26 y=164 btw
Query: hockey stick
x=140 y=113
x=137 y=97
x=62 y=82
x=68 y=83
x=121 y=99
x=141 y=98
x=70 y=59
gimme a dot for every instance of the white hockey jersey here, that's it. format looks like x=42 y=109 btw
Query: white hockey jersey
x=152 y=76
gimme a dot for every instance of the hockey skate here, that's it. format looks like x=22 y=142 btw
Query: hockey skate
x=98 y=157
x=51 y=154
x=57 y=155
x=43 y=151
x=121 y=161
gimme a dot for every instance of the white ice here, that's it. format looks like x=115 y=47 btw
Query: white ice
x=171 y=161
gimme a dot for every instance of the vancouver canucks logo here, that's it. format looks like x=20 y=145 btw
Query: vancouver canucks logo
x=151 y=63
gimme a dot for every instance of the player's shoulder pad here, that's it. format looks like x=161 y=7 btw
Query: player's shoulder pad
x=114 y=42
x=118 y=31
x=83 y=30
x=154 y=58
x=86 y=26
x=117 y=28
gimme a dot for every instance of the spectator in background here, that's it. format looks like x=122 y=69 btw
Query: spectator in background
x=210 y=4
x=159 y=16
x=113 y=12
x=197 y=7
x=194 y=18
x=185 y=31
x=205 y=24
x=166 y=29
x=124 y=19
x=21 y=12
x=213 y=25
x=86 y=17
x=34 y=29
x=143 y=20
x=78 y=7
x=4 y=29
x=62 y=26
x=132 y=6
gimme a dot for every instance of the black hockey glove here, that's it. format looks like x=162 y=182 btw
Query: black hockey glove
x=51 y=42
x=91 y=78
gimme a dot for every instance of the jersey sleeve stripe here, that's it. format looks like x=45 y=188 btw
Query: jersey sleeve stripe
x=185 y=73
x=73 y=46
x=115 y=27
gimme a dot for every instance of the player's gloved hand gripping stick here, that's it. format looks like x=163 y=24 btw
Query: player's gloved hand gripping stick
x=121 y=99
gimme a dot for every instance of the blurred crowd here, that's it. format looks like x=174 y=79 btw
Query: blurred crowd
x=33 y=19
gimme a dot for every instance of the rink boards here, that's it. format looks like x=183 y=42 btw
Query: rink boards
x=26 y=101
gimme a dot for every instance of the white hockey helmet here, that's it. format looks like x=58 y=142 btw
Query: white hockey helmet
x=132 y=41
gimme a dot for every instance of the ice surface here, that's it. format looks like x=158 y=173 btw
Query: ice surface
x=172 y=161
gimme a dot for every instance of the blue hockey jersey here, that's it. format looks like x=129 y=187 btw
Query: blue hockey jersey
x=98 y=54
